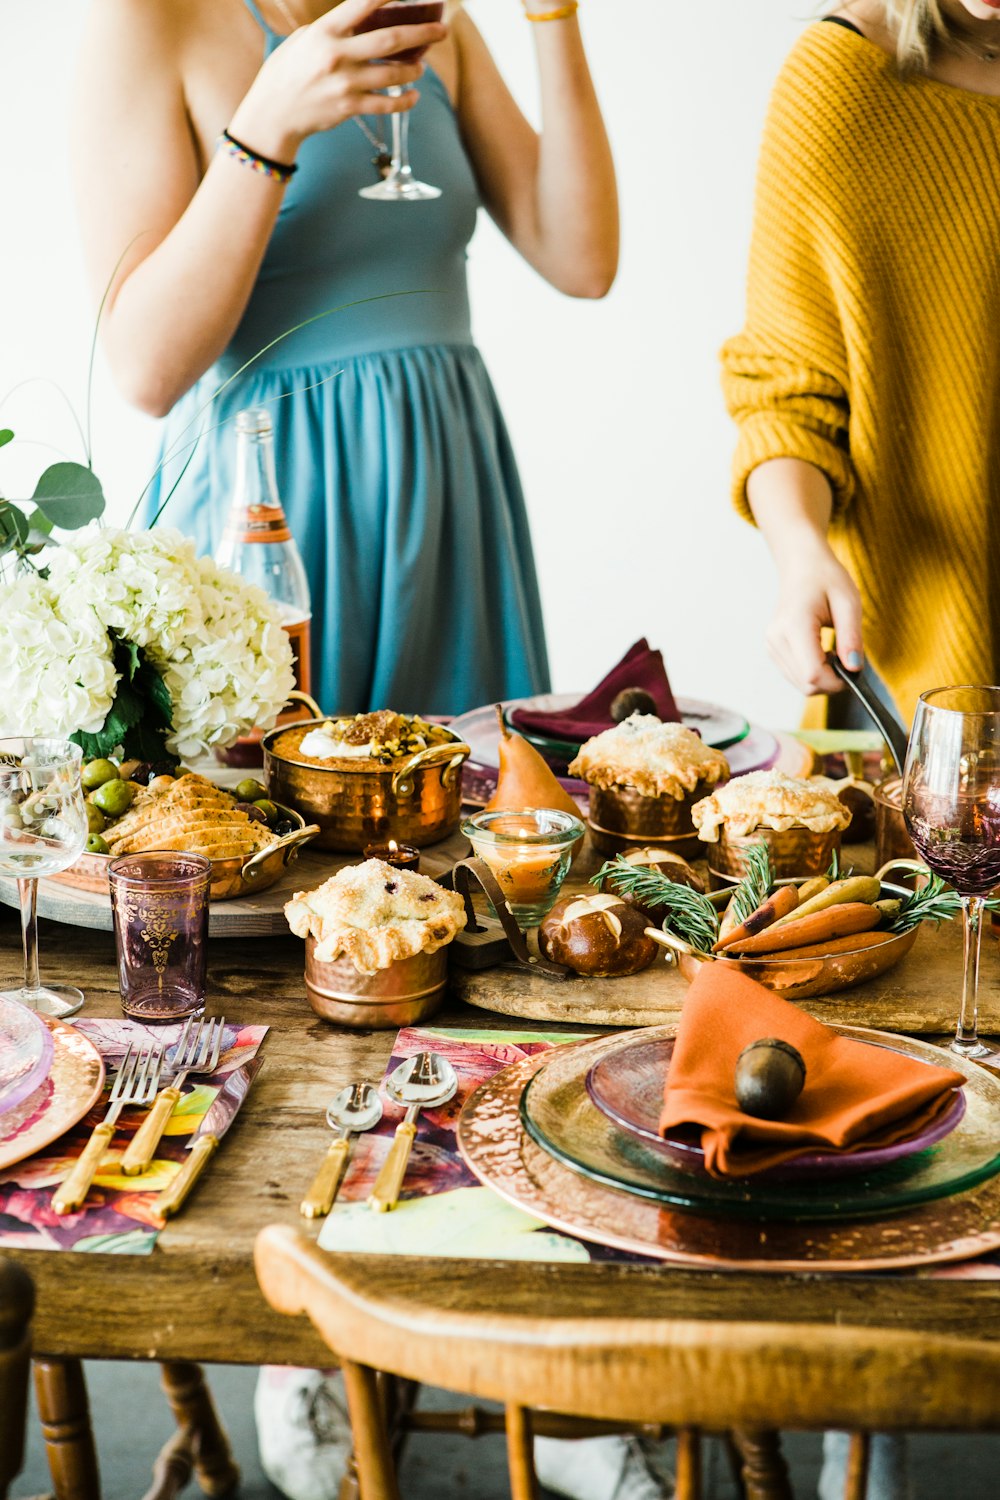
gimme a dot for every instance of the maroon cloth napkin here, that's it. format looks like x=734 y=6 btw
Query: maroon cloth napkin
x=640 y=667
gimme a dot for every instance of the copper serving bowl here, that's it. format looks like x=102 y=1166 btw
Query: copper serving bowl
x=409 y=990
x=796 y=853
x=415 y=800
x=799 y=978
x=621 y=818
x=231 y=878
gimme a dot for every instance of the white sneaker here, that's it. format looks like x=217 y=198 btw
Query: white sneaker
x=303 y=1431
x=603 y=1468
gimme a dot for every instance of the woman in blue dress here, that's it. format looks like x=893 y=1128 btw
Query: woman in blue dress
x=393 y=461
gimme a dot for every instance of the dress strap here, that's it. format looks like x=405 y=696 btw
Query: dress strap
x=255 y=12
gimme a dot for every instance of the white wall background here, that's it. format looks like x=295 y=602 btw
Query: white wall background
x=614 y=406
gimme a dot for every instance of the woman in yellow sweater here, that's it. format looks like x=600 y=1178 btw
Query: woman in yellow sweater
x=866 y=382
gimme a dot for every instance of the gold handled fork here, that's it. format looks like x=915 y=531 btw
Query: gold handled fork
x=135 y=1083
x=197 y=1051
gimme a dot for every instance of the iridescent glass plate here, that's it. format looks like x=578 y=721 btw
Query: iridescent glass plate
x=559 y=1115
x=25 y=1052
x=626 y=1083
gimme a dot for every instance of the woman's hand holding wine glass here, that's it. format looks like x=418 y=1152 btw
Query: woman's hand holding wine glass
x=335 y=68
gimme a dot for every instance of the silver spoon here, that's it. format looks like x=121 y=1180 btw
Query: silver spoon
x=356 y=1108
x=420 y=1082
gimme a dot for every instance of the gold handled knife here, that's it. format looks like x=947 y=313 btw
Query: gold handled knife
x=204 y=1143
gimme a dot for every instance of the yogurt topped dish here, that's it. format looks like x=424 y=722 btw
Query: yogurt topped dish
x=384 y=736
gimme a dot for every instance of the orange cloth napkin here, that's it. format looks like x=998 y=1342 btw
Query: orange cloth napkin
x=855 y=1094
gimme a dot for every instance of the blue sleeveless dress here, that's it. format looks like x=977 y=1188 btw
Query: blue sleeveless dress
x=393 y=461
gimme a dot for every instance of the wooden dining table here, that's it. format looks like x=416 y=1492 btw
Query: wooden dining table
x=195 y=1299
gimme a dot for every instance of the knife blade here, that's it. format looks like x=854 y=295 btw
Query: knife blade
x=204 y=1143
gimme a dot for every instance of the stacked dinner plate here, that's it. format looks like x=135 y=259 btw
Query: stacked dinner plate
x=572 y=1137
x=51 y=1075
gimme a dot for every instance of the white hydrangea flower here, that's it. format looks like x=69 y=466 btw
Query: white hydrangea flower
x=216 y=641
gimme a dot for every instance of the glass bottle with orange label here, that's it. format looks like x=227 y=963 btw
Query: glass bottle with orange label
x=258 y=545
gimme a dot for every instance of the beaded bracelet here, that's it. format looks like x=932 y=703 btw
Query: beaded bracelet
x=562 y=14
x=281 y=171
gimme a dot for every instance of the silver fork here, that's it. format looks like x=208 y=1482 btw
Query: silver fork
x=197 y=1051
x=135 y=1083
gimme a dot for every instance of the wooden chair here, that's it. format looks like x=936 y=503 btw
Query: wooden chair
x=17 y=1302
x=747 y=1379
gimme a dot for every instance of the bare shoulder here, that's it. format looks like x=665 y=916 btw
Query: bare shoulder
x=869 y=18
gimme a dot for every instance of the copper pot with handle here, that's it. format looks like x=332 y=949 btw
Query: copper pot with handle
x=416 y=799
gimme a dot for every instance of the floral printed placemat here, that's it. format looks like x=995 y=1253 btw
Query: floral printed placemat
x=445 y=1211
x=117 y=1217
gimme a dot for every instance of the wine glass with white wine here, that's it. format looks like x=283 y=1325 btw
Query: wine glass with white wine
x=43 y=829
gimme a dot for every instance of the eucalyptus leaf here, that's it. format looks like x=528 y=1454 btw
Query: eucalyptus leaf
x=14 y=525
x=6 y=436
x=70 y=495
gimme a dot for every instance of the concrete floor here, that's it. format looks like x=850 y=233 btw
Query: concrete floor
x=131 y=1419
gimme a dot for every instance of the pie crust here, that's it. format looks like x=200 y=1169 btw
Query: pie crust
x=374 y=914
x=769 y=799
x=655 y=759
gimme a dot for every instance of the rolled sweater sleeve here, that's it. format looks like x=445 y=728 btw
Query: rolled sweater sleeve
x=785 y=376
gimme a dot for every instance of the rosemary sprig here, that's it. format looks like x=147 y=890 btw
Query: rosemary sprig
x=933 y=902
x=754 y=888
x=692 y=916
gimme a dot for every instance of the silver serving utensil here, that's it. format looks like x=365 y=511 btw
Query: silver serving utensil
x=354 y=1109
x=885 y=721
x=420 y=1082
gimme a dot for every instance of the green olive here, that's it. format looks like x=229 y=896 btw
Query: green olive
x=268 y=809
x=115 y=797
x=96 y=821
x=96 y=772
x=249 y=790
x=97 y=845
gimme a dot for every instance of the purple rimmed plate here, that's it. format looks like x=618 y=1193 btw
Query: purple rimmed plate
x=627 y=1086
x=25 y=1052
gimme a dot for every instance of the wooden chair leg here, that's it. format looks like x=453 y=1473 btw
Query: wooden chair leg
x=372 y=1450
x=172 y=1468
x=765 y=1473
x=17 y=1300
x=61 y=1392
x=687 y=1479
x=735 y=1460
x=521 y=1454
x=858 y=1458
x=193 y=1408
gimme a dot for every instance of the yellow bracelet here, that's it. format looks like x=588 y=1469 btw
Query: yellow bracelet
x=562 y=14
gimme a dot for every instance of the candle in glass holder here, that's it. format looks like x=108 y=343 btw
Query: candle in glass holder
x=400 y=856
x=528 y=852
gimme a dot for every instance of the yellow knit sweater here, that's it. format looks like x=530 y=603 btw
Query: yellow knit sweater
x=872 y=344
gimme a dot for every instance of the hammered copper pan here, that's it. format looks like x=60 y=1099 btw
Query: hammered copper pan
x=621 y=818
x=415 y=801
x=408 y=991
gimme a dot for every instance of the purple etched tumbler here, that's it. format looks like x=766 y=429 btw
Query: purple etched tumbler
x=159 y=902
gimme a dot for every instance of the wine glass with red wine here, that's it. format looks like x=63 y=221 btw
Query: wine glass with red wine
x=951 y=803
x=400 y=185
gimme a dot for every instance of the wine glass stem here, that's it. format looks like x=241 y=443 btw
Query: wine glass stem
x=401 y=141
x=28 y=892
x=967 y=1032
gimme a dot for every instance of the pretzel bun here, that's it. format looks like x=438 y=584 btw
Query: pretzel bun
x=597 y=935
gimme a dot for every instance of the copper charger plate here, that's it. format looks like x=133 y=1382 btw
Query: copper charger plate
x=69 y=1092
x=496 y=1148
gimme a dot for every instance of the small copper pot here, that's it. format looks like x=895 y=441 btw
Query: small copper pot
x=795 y=853
x=621 y=818
x=891 y=838
x=409 y=990
x=415 y=801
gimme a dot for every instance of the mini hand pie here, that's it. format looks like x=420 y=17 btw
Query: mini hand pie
x=769 y=799
x=656 y=759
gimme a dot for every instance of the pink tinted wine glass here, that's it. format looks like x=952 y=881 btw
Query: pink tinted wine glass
x=951 y=803
x=400 y=185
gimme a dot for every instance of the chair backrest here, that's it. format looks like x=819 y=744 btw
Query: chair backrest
x=683 y=1373
x=17 y=1301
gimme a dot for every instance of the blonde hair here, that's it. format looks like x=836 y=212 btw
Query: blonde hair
x=916 y=25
